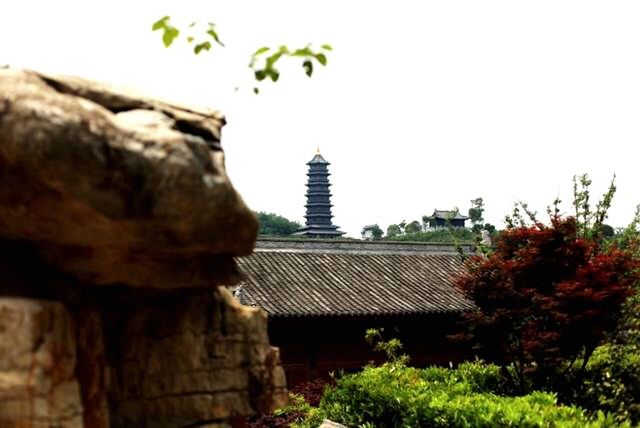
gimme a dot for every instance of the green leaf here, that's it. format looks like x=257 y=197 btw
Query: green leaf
x=160 y=23
x=308 y=67
x=322 y=59
x=261 y=50
x=256 y=91
x=189 y=39
x=273 y=74
x=170 y=33
x=326 y=47
x=201 y=46
x=302 y=52
x=214 y=35
x=260 y=75
x=272 y=59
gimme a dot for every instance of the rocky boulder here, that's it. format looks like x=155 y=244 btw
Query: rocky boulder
x=117 y=189
x=118 y=232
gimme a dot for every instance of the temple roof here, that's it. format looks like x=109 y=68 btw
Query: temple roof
x=350 y=278
x=318 y=159
x=447 y=215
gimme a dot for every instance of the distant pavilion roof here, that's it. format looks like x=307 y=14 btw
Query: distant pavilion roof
x=447 y=215
x=301 y=278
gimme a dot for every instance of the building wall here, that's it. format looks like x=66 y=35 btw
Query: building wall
x=315 y=346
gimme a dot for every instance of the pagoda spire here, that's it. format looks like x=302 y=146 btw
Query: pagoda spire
x=318 y=224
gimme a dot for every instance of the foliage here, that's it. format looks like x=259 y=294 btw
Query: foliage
x=590 y=223
x=476 y=211
x=440 y=235
x=296 y=410
x=612 y=382
x=262 y=62
x=393 y=230
x=390 y=348
x=267 y=68
x=169 y=32
x=394 y=395
x=273 y=224
x=413 y=227
x=546 y=298
x=376 y=232
x=312 y=390
x=301 y=399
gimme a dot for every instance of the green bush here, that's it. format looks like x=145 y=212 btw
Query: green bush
x=441 y=235
x=394 y=395
x=612 y=382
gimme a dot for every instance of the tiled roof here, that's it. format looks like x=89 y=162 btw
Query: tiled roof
x=448 y=215
x=356 y=281
x=318 y=159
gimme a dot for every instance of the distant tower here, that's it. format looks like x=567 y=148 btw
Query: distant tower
x=319 y=216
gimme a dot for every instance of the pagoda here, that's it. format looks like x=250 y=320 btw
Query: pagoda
x=318 y=224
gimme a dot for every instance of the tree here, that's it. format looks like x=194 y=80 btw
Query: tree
x=376 y=232
x=393 y=230
x=607 y=231
x=476 y=211
x=546 y=298
x=425 y=222
x=273 y=224
x=413 y=227
x=262 y=62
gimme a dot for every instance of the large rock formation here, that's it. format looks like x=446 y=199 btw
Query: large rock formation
x=116 y=189
x=118 y=224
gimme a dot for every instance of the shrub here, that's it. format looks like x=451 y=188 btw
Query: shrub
x=301 y=399
x=394 y=395
x=612 y=382
x=546 y=298
x=284 y=417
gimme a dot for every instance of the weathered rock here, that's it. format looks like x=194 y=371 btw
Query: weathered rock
x=330 y=424
x=117 y=224
x=38 y=387
x=117 y=189
x=202 y=358
x=182 y=361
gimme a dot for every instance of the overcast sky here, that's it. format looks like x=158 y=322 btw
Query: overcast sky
x=423 y=105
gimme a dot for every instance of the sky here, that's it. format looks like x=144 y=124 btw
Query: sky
x=423 y=104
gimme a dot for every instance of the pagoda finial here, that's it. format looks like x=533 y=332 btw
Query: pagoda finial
x=318 y=150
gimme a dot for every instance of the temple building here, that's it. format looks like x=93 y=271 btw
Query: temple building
x=321 y=296
x=318 y=223
x=441 y=219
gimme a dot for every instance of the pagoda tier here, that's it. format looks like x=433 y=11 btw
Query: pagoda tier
x=318 y=223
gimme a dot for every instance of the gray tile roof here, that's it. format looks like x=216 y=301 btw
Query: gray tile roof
x=447 y=215
x=360 y=279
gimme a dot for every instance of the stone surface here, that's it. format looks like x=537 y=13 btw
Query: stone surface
x=118 y=228
x=330 y=424
x=38 y=387
x=115 y=188
x=185 y=360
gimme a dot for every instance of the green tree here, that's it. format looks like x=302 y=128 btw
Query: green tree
x=413 y=227
x=393 y=230
x=425 y=222
x=376 y=231
x=276 y=225
x=476 y=211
